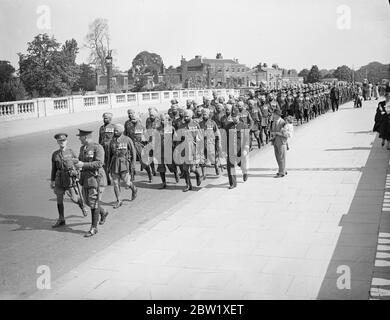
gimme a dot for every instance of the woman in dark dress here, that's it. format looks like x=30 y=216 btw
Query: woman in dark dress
x=382 y=120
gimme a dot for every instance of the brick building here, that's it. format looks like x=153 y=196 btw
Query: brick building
x=202 y=72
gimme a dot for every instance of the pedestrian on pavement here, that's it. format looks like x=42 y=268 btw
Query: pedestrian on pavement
x=279 y=140
x=375 y=90
x=335 y=97
x=93 y=178
x=122 y=163
x=384 y=120
x=64 y=177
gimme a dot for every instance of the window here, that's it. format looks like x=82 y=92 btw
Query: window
x=166 y=95
x=131 y=97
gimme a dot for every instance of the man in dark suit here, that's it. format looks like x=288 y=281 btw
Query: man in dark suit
x=334 y=98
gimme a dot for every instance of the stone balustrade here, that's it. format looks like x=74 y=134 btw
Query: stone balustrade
x=139 y=101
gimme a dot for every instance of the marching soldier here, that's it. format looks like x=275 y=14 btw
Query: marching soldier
x=153 y=123
x=218 y=114
x=290 y=103
x=255 y=113
x=226 y=118
x=64 y=177
x=265 y=120
x=135 y=131
x=198 y=114
x=212 y=143
x=281 y=99
x=189 y=132
x=244 y=114
x=236 y=137
x=299 y=107
x=106 y=133
x=166 y=132
x=93 y=178
x=122 y=162
x=306 y=107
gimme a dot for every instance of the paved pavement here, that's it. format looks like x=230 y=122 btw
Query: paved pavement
x=322 y=232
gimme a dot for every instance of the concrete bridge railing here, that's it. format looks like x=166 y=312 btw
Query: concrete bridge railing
x=139 y=101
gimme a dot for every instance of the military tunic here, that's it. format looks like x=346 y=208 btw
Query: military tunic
x=61 y=167
x=93 y=177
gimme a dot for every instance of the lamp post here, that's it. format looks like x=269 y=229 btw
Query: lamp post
x=109 y=68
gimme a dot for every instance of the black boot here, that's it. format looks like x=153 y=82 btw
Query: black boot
x=61 y=218
x=153 y=169
x=198 y=180
x=258 y=143
x=188 y=182
x=163 y=179
x=176 y=176
x=148 y=170
x=134 y=191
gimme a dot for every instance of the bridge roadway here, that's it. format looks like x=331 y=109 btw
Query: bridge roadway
x=288 y=237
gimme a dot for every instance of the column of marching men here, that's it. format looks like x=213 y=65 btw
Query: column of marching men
x=217 y=134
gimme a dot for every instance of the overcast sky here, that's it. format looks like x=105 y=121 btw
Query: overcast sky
x=293 y=33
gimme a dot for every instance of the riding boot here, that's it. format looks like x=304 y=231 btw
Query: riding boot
x=176 y=176
x=258 y=143
x=153 y=169
x=149 y=172
x=163 y=179
x=61 y=218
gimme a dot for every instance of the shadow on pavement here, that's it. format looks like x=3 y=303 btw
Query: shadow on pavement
x=362 y=132
x=354 y=253
x=28 y=223
x=350 y=149
x=307 y=169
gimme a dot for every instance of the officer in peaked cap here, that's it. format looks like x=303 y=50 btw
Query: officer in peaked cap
x=64 y=177
x=93 y=177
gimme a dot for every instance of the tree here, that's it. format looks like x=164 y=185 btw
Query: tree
x=48 y=69
x=343 y=73
x=304 y=73
x=146 y=62
x=87 y=80
x=314 y=75
x=265 y=65
x=6 y=71
x=275 y=66
x=98 y=41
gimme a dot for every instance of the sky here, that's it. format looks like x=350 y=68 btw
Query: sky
x=295 y=34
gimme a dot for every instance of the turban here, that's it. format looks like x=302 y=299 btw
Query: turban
x=206 y=111
x=119 y=127
x=153 y=111
x=188 y=113
x=107 y=115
